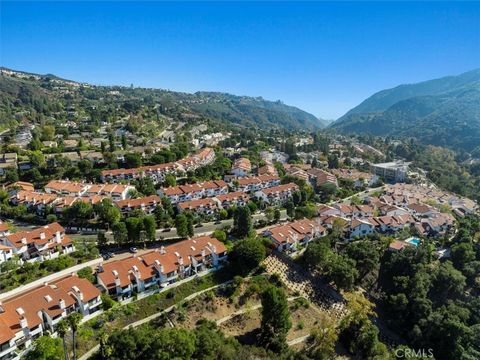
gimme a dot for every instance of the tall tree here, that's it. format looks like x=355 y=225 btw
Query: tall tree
x=150 y=227
x=74 y=321
x=247 y=254
x=62 y=329
x=323 y=337
x=242 y=221
x=181 y=223
x=275 y=318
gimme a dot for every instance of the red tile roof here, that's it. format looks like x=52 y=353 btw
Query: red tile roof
x=34 y=236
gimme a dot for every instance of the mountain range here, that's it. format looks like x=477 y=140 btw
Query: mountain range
x=20 y=91
x=443 y=112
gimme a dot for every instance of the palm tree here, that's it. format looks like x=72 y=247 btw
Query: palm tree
x=74 y=320
x=62 y=329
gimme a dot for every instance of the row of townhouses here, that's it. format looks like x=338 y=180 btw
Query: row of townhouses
x=157 y=173
x=43 y=243
x=196 y=191
x=25 y=317
x=36 y=312
x=292 y=236
x=161 y=267
x=38 y=201
x=75 y=189
x=388 y=214
x=277 y=195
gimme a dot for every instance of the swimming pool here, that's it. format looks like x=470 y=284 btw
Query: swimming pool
x=414 y=241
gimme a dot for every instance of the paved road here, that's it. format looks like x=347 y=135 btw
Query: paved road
x=205 y=229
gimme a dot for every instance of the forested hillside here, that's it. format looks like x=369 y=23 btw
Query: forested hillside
x=443 y=112
x=23 y=96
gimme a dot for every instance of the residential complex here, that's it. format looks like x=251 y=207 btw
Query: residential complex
x=36 y=312
x=161 y=267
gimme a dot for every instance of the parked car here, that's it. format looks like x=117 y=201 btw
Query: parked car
x=133 y=250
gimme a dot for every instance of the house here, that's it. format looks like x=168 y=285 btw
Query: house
x=4 y=229
x=36 y=312
x=326 y=210
x=87 y=296
x=115 y=191
x=20 y=185
x=437 y=225
x=146 y=204
x=67 y=201
x=320 y=177
x=277 y=195
x=392 y=210
x=43 y=243
x=397 y=245
x=65 y=187
x=49 y=144
x=73 y=156
x=358 y=178
x=7 y=161
x=360 y=228
x=291 y=236
x=267 y=170
x=161 y=267
x=95 y=157
x=208 y=206
x=70 y=144
x=388 y=224
x=463 y=206
x=214 y=188
x=74 y=189
x=34 y=200
x=237 y=198
x=6 y=253
x=298 y=172
x=241 y=167
x=189 y=192
x=362 y=211
x=252 y=184
x=421 y=210
x=118 y=175
x=204 y=156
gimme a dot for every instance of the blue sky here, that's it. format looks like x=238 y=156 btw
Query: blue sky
x=322 y=57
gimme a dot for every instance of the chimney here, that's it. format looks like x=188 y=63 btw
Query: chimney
x=23 y=322
x=79 y=293
x=42 y=236
x=159 y=266
x=137 y=272
x=58 y=238
x=203 y=253
x=20 y=311
x=24 y=241
x=162 y=250
x=61 y=303
x=117 y=280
